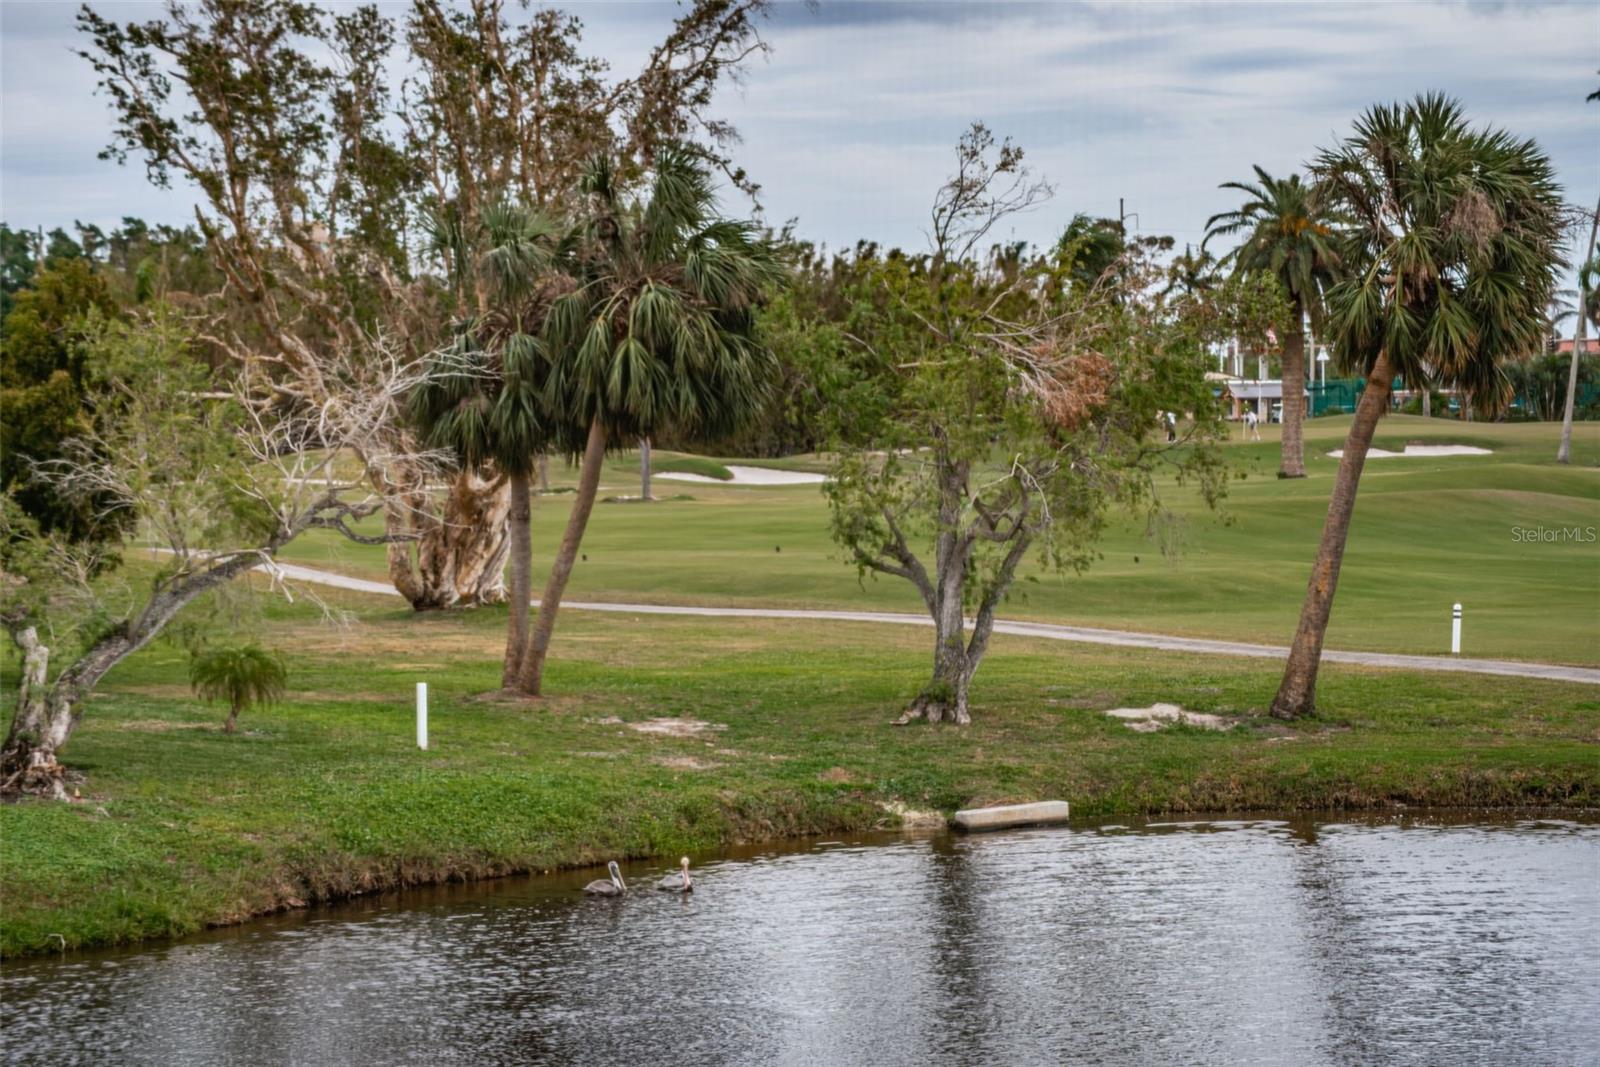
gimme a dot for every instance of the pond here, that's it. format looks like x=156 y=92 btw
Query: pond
x=1244 y=941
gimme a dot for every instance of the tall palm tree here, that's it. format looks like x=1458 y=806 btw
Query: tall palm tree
x=1288 y=235
x=483 y=400
x=658 y=333
x=1449 y=262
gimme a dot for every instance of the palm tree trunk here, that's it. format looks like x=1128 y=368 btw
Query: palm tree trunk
x=644 y=468
x=1564 y=452
x=531 y=674
x=1292 y=457
x=521 y=595
x=233 y=719
x=1297 y=694
x=544 y=473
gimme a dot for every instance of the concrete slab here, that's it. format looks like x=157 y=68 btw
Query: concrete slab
x=1006 y=816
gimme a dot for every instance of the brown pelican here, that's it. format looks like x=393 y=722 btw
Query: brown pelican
x=680 y=882
x=607 y=887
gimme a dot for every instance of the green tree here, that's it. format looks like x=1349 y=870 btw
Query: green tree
x=1010 y=401
x=246 y=676
x=1288 y=234
x=1448 y=265
x=658 y=334
x=42 y=388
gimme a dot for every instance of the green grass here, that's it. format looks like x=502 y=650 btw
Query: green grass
x=1426 y=533
x=678 y=463
x=180 y=826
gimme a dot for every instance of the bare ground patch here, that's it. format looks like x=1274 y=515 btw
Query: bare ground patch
x=685 y=763
x=675 y=727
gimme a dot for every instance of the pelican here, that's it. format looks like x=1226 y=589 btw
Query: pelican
x=607 y=887
x=680 y=882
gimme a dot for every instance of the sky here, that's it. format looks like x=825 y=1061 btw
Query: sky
x=849 y=125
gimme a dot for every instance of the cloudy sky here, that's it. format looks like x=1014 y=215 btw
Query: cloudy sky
x=849 y=124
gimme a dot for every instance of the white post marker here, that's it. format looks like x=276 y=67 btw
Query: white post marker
x=422 y=715
x=1455 y=630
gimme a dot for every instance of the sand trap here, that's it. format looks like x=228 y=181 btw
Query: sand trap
x=1421 y=450
x=750 y=476
x=1148 y=720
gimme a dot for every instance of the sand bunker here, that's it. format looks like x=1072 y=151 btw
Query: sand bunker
x=749 y=476
x=1148 y=720
x=1413 y=451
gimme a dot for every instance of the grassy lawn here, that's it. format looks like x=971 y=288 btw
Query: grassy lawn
x=181 y=826
x=1427 y=532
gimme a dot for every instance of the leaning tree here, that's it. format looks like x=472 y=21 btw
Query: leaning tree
x=657 y=334
x=1448 y=265
x=1289 y=236
x=211 y=480
x=1008 y=403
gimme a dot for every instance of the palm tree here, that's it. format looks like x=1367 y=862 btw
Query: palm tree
x=483 y=399
x=658 y=333
x=247 y=676
x=1449 y=263
x=1288 y=235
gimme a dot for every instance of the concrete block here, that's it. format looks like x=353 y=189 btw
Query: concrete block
x=1042 y=813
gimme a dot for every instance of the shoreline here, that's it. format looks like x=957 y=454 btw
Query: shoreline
x=381 y=879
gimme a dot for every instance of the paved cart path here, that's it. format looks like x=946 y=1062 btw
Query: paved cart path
x=1088 y=635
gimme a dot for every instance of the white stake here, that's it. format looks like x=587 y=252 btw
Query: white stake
x=1455 y=630
x=421 y=715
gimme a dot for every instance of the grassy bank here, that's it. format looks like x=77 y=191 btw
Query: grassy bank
x=1427 y=533
x=181 y=826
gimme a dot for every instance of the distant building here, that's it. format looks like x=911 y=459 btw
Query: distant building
x=1263 y=395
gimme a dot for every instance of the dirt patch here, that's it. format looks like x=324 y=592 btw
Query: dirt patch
x=674 y=727
x=685 y=763
x=1156 y=716
x=836 y=775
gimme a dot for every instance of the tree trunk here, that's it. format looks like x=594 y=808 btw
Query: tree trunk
x=1564 y=450
x=46 y=716
x=460 y=557
x=644 y=468
x=233 y=719
x=1427 y=401
x=544 y=473
x=1292 y=460
x=530 y=677
x=39 y=727
x=944 y=698
x=521 y=578
x=1297 y=694
x=462 y=560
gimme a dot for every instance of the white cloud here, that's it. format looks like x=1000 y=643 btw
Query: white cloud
x=849 y=124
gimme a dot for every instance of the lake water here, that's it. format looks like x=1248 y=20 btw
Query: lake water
x=1219 y=942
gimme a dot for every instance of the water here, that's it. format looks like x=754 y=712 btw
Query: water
x=1241 y=942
